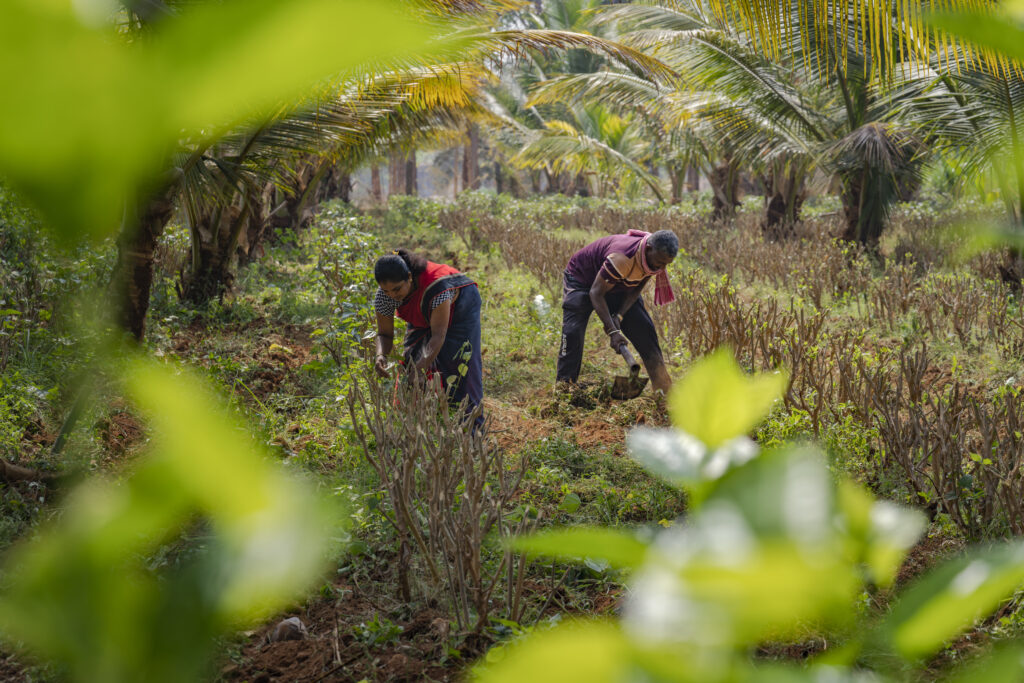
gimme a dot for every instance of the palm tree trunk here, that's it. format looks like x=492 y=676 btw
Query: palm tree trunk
x=783 y=199
x=214 y=254
x=863 y=206
x=375 y=189
x=692 y=179
x=133 y=275
x=411 y=187
x=471 y=160
x=301 y=215
x=345 y=187
x=677 y=177
x=396 y=175
x=725 y=184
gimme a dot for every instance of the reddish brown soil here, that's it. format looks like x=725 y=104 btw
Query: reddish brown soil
x=927 y=553
x=332 y=652
x=593 y=431
x=512 y=427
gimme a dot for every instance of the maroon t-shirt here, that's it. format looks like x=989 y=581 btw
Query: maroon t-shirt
x=586 y=263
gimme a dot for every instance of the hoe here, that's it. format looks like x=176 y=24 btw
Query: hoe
x=630 y=386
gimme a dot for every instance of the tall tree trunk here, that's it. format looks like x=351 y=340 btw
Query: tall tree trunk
x=581 y=186
x=863 y=209
x=515 y=185
x=345 y=188
x=375 y=189
x=677 y=177
x=471 y=160
x=725 y=184
x=336 y=184
x=499 y=178
x=133 y=275
x=784 y=196
x=250 y=243
x=214 y=244
x=396 y=173
x=411 y=186
x=302 y=194
x=692 y=179
x=851 y=197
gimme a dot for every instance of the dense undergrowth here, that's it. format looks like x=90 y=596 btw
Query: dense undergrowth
x=904 y=364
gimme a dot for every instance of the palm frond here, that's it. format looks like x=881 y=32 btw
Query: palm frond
x=562 y=147
x=514 y=44
x=605 y=87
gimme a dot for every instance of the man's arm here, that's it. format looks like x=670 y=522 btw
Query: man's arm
x=598 y=290
x=631 y=298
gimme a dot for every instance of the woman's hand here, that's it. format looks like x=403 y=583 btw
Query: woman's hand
x=385 y=342
x=381 y=365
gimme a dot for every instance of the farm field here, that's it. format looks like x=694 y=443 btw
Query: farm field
x=903 y=364
x=677 y=341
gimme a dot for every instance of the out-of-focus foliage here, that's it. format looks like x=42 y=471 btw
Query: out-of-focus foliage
x=81 y=592
x=100 y=112
x=774 y=23
x=98 y=115
x=772 y=545
x=995 y=29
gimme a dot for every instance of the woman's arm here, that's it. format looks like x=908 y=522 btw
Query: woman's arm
x=385 y=342
x=438 y=331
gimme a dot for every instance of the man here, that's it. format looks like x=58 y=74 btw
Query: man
x=608 y=276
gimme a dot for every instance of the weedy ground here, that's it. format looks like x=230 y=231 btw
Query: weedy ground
x=849 y=325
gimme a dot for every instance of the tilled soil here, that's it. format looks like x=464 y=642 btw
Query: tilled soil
x=332 y=651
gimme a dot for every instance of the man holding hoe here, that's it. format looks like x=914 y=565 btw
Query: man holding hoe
x=608 y=276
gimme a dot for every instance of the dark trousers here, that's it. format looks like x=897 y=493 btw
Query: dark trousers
x=461 y=347
x=576 y=309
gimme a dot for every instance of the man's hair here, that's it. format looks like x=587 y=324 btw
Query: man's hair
x=664 y=241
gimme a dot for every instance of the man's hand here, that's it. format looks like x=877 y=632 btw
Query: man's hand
x=616 y=339
x=381 y=365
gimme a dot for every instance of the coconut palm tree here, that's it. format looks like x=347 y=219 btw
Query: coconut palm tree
x=978 y=114
x=596 y=143
x=229 y=198
x=822 y=107
x=465 y=37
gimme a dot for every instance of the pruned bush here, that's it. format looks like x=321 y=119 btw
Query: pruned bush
x=450 y=490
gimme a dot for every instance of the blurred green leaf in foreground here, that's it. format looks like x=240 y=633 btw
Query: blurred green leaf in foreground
x=81 y=592
x=93 y=116
x=773 y=548
x=97 y=104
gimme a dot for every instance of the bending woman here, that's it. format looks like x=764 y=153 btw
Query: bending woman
x=441 y=307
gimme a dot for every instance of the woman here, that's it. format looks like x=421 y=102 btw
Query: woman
x=441 y=307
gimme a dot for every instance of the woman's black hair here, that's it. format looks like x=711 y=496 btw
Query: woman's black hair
x=398 y=266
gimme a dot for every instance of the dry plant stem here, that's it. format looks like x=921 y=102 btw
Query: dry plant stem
x=517 y=571
x=448 y=486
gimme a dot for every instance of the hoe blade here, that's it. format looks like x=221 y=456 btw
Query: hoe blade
x=625 y=388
